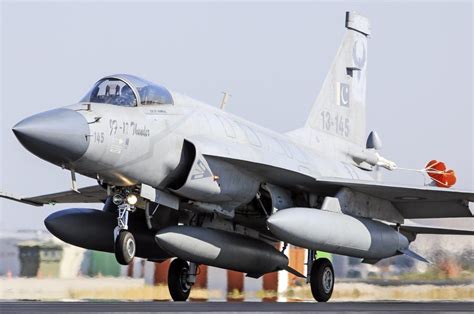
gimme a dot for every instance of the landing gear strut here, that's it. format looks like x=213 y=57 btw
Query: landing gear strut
x=321 y=277
x=181 y=277
x=124 y=245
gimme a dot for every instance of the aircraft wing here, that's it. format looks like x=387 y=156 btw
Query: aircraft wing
x=90 y=194
x=412 y=202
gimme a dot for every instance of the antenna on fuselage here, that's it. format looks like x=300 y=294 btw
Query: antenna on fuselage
x=74 y=181
x=225 y=98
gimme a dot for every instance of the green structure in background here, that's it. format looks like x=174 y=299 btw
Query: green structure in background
x=320 y=254
x=103 y=264
x=40 y=258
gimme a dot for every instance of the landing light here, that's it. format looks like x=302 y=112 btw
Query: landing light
x=132 y=199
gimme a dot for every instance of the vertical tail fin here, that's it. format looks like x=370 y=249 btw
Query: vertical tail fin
x=340 y=106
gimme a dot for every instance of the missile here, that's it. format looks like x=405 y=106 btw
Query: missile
x=337 y=233
x=94 y=230
x=222 y=249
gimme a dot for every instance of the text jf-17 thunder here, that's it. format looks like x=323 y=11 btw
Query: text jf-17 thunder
x=181 y=179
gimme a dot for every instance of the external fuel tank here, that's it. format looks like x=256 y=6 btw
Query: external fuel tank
x=336 y=233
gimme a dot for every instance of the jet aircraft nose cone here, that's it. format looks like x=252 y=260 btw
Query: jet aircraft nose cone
x=58 y=136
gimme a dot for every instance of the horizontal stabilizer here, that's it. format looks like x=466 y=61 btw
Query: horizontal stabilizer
x=412 y=254
x=294 y=272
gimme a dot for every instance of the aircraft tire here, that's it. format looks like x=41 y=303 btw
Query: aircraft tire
x=178 y=286
x=125 y=247
x=322 y=280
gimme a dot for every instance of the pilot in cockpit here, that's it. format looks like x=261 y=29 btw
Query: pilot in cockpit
x=129 y=91
x=126 y=98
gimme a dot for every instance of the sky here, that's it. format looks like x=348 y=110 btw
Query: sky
x=272 y=57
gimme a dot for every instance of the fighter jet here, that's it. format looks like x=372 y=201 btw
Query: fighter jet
x=183 y=180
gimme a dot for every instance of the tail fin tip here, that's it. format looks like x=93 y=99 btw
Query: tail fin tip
x=358 y=23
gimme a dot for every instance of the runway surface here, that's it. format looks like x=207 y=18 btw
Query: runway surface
x=232 y=307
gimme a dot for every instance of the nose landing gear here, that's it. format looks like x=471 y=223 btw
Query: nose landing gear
x=124 y=245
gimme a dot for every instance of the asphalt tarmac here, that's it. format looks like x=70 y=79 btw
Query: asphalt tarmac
x=232 y=307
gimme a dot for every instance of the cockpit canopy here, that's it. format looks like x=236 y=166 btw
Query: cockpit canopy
x=128 y=90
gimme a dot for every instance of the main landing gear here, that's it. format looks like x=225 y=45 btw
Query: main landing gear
x=181 y=277
x=321 y=277
x=124 y=244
